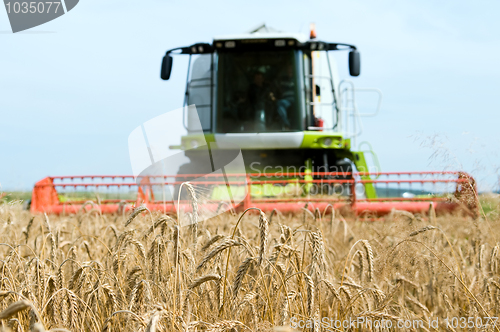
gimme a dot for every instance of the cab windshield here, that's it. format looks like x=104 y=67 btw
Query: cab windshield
x=258 y=92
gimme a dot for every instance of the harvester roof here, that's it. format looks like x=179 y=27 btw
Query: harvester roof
x=259 y=39
x=263 y=32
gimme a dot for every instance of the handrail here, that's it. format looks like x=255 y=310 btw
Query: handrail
x=379 y=103
x=350 y=110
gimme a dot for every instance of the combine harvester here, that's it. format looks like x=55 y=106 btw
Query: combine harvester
x=278 y=98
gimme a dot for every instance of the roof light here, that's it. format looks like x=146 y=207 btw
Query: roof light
x=193 y=49
x=279 y=42
x=230 y=44
x=312 y=27
x=200 y=49
x=219 y=45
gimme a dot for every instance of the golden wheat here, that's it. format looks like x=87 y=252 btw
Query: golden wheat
x=146 y=272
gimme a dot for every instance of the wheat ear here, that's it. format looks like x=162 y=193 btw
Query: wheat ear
x=240 y=274
x=310 y=294
x=214 y=239
x=227 y=243
x=203 y=279
x=152 y=322
x=264 y=233
x=422 y=230
x=138 y=210
x=369 y=257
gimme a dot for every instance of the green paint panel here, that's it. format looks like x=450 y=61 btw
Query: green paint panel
x=312 y=140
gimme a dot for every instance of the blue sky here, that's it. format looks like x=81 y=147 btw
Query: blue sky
x=72 y=90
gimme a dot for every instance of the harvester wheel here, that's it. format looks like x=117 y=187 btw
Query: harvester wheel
x=345 y=167
x=27 y=205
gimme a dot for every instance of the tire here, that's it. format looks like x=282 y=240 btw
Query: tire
x=27 y=205
x=341 y=166
x=345 y=166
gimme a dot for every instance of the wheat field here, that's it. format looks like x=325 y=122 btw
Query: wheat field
x=141 y=271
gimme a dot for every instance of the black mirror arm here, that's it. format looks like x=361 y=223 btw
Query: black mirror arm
x=335 y=46
x=199 y=48
x=183 y=50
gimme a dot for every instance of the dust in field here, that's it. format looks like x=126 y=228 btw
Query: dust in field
x=251 y=272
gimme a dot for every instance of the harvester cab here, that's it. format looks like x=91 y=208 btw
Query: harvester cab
x=278 y=97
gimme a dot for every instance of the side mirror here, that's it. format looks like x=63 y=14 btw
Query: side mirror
x=354 y=63
x=166 y=67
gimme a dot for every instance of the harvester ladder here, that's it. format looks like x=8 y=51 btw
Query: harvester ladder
x=350 y=117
